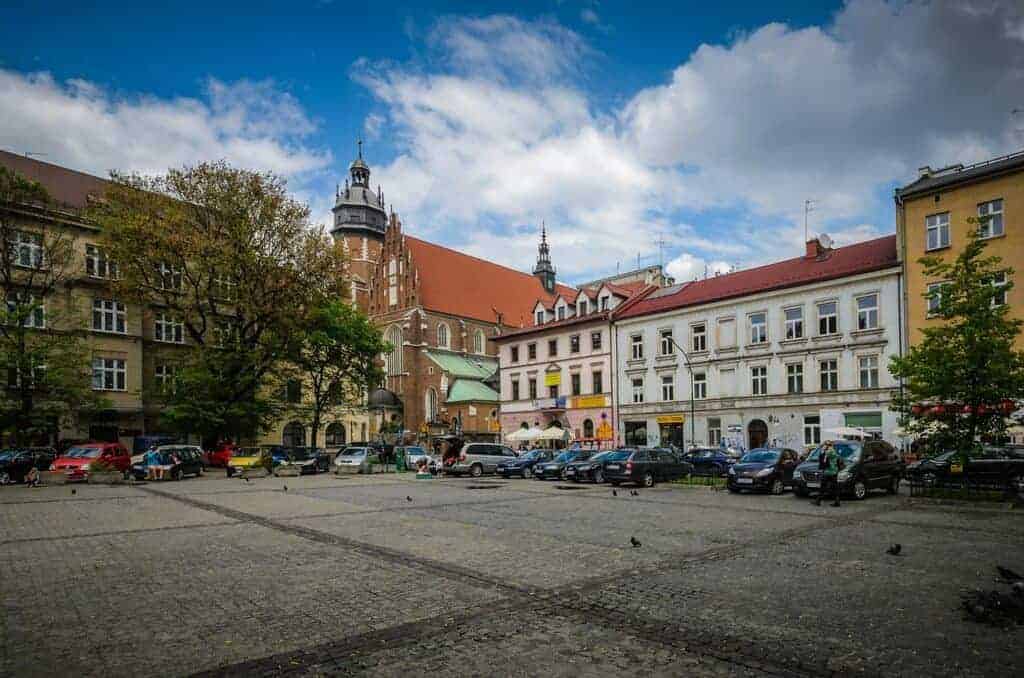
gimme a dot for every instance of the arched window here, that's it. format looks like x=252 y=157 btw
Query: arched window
x=442 y=336
x=335 y=434
x=393 y=360
x=430 y=404
x=478 y=342
x=362 y=429
x=294 y=435
x=588 y=428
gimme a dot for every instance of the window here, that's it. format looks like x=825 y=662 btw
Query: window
x=829 y=370
x=26 y=249
x=828 y=318
x=224 y=288
x=700 y=386
x=531 y=351
x=638 y=389
x=170 y=277
x=937 y=226
x=637 y=343
x=35 y=372
x=759 y=380
x=335 y=434
x=392 y=279
x=668 y=387
x=867 y=312
x=532 y=387
x=597 y=377
x=714 y=431
x=164 y=375
x=726 y=333
x=293 y=391
x=795 y=323
x=552 y=347
x=224 y=334
x=935 y=297
x=758 y=328
x=167 y=329
x=574 y=343
x=478 y=342
x=588 y=428
x=560 y=313
x=97 y=265
x=25 y=306
x=812 y=430
x=699 y=337
x=515 y=389
x=108 y=374
x=442 y=336
x=576 y=383
x=604 y=303
x=595 y=341
x=538 y=318
x=999 y=282
x=635 y=432
x=869 y=371
x=393 y=359
x=514 y=354
x=990 y=214
x=666 y=346
x=795 y=378
x=553 y=391
x=430 y=404
x=108 y=316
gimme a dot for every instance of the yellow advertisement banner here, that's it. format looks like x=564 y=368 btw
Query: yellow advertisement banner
x=553 y=379
x=590 y=401
x=671 y=419
x=604 y=431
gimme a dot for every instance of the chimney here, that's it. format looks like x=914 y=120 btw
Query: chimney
x=819 y=247
x=924 y=172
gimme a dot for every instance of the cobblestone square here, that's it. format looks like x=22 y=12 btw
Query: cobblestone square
x=385 y=575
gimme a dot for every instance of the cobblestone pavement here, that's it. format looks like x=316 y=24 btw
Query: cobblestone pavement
x=385 y=575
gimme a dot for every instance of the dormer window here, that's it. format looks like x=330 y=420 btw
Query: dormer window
x=605 y=301
x=539 y=318
x=560 y=313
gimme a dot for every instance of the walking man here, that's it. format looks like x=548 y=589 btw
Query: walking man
x=828 y=464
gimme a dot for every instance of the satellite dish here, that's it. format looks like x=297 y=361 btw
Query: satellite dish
x=826 y=242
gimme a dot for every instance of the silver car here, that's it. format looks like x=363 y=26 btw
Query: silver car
x=351 y=459
x=413 y=455
x=477 y=459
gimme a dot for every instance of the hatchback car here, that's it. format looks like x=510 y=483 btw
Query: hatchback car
x=76 y=462
x=871 y=465
x=765 y=469
x=477 y=459
x=524 y=464
x=218 y=457
x=245 y=458
x=352 y=458
x=15 y=464
x=309 y=460
x=183 y=459
x=994 y=466
x=647 y=466
x=592 y=469
x=555 y=469
x=709 y=461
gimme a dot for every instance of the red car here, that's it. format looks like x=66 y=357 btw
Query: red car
x=219 y=455
x=75 y=462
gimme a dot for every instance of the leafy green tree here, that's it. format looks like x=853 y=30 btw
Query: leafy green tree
x=231 y=256
x=336 y=357
x=965 y=367
x=42 y=350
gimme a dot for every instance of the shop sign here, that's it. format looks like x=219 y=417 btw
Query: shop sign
x=671 y=419
x=589 y=401
x=553 y=379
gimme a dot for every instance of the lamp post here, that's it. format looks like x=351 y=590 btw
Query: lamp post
x=693 y=405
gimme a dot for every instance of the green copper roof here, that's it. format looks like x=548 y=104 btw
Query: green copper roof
x=469 y=367
x=468 y=390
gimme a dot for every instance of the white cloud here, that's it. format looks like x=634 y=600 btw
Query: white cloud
x=589 y=16
x=687 y=267
x=82 y=125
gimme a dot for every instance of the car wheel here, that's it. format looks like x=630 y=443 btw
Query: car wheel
x=598 y=477
x=894 y=485
x=1015 y=486
x=5 y=478
x=860 y=489
x=527 y=472
x=563 y=477
x=476 y=470
x=734 y=490
x=176 y=474
x=229 y=472
x=778 y=486
x=647 y=480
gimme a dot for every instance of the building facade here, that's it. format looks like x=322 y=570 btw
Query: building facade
x=777 y=355
x=932 y=219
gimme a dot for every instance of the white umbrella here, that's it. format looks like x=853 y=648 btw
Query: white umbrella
x=847 y=431
x=522 y=435
x=555 y=433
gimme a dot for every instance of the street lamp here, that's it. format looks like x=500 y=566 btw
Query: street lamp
x=693 y=406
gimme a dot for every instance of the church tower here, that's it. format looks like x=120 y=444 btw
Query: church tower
x=544 y=269
x=359 y=224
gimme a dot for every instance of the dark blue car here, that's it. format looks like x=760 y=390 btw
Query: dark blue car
x=523 y=464
x=709 y=461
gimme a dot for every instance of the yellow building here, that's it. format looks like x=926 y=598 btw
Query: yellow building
x=133 y=350
x=932 y=219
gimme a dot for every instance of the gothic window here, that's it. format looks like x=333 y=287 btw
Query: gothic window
x=442 y=336
x=393 y=359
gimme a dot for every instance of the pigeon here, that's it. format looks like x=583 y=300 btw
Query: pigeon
x=614 y=493
x=1008 y=575
x=894 y=550
x=284 y=489
x=246 y=480
x=635 y=542
x=408 y=498
x=634 y=493
x=74 y=491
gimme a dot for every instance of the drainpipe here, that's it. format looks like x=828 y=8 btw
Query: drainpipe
x=902 y=302
x=615 y=378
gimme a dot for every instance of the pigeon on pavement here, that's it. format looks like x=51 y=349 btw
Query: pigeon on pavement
x=614 y=493
x=408 y=498
x=635 y=542
x=894 y=550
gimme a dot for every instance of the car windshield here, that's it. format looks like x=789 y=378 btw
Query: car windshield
x=84 y=452
x=760 y=456
x=354 y=452
x=848 y=451
x=532 y=455
x=414 y=451
x=301 y=454
x=603 y=456
x=7 y=455
x=567 y=456
x=618 y=455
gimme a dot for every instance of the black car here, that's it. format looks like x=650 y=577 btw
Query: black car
x=524 y=464
x=556 y=467
x=309 y=460
x=592 y=470
x=709 y=461
x=185 y=460
x=766 y=469
x=16 y=463
x=870 y=465
x=997 y=467
x=645 y=467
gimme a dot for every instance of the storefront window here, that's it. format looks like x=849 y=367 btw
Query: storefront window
x=635 y=433
x=671 y=434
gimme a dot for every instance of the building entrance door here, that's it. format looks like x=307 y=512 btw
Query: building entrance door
x=757 y=434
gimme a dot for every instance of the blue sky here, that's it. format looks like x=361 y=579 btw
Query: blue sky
x=618 y=124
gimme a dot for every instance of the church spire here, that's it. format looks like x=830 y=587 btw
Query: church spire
x=544 y=269
x=359 y=170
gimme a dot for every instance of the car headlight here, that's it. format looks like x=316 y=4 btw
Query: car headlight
x=798 y=475
x=765 y=472
x=843 y=476
x=52 y=467
x=732 y=471
x=86 y=467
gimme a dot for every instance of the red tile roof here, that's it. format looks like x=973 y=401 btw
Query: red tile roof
x=65 y=186
x=555 y=324
x=871 y=255
x=459 y=284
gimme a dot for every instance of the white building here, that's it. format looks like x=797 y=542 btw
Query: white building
x=778 y=354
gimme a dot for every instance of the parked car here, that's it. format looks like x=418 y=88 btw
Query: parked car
x=77 y=460
x=592 y=469
x=477 y=459
x=765 y=468
x=309 y=460
x=184 y=460
x=870 y=465
x=996 y=466
x=413 y=455
x=709 y=461
x=646 y=466
x=555 y=469
x=524 y=464
x=16 y=463
x=352 y=458
x=218 y=457
x=247 y=458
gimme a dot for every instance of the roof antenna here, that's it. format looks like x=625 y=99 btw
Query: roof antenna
x=808 y=208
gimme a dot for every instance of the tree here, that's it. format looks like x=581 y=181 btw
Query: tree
x=226 y=255
x=336 y=356
x=41 y=345
x=964 y=371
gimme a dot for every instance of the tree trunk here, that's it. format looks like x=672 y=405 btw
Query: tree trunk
x=316 y=427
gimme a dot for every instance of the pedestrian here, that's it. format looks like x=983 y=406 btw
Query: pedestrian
x=828 y=465
x=32 y=477
x=152 y=464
